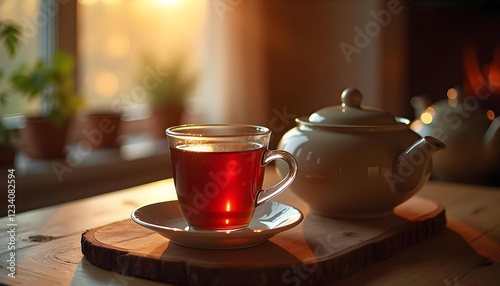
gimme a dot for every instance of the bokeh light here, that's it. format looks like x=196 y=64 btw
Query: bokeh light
x=428 y=115
x=106 y=83
x=491 y=115
x=452 y=93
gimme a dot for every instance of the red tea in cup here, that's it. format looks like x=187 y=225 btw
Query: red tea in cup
x=218 y=173
x=217 y=189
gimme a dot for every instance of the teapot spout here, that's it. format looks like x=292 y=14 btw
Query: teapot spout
x=413 y=166
x=492 y=140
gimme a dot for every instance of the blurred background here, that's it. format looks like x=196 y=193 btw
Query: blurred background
x=138 y=67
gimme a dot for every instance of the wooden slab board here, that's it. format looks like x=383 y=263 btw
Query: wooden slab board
x=318 y=250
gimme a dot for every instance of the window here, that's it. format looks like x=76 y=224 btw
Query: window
x=122 y=42
x=27 y=16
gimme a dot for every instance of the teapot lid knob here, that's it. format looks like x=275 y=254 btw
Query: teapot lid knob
x=351 y=97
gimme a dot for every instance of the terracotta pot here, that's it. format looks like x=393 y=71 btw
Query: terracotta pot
x=7 y=156
x=44 y=139
x=164 y=117
x=102 y=130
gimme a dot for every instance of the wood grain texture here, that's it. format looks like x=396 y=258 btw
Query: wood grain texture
x=474 y=215
x=455 y=256
x=319 y=250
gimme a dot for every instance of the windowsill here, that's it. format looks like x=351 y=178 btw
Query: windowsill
x=139 y=160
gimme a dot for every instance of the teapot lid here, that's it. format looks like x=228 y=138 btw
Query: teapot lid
x=350 y=112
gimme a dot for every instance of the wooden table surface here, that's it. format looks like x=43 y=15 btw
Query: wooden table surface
x=467 y=252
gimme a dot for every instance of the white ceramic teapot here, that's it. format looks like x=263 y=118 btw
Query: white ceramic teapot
x=357 y=162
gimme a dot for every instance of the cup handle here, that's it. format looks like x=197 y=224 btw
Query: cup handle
x=265 y=195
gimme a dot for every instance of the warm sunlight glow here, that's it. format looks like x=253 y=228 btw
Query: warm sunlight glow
x=491 y=115
x=117 y=46
x=87 y=2
x=111 y=2
x=106 y=83
x=227 y=221
x=119 y=36
x=228 y=207
x=168 y=2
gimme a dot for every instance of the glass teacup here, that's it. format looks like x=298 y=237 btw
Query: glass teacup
x=218 y=173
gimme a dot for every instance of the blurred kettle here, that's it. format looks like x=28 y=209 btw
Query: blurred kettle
x=471 y=134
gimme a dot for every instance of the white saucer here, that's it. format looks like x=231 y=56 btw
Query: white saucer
x=166 y=219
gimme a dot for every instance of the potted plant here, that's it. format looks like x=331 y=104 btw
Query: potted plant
x=53 y=84
x=168 y=94
x=103 y=127
x=9 y=34
x=7 y=149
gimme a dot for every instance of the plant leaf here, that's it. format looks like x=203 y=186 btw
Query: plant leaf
x=54 y=80
x=10 y=33
x=64 y=64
